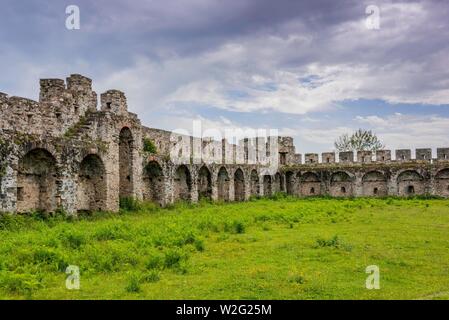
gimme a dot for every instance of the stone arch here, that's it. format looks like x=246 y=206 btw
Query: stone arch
x=310 y=184
x=91 y=192
x=410 y=182
x=239 y=185
x=126 y=141
x=254 y=179
x=154 y=183
x=442 y=182
x=290 y=182
x=183 y=183
x=341 y=184
x=204 y=183
x=37 y=182
x=374 y=183
x=223 y=183
x=267 y=185
x=277 y=185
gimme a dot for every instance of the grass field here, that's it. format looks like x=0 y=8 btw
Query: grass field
x=283 y=248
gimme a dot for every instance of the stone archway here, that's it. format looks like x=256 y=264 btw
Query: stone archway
x=154 y=183
x=36 y=182
x=91 y=193
x=239 y=185
x=126 y=163
x=204 y=183
x=254 y=179
x=374 y=183
x=223 y=184
x=310 y=184
x=341 y=184
x=290 y=181
x=183 y=184
x=410 y=183
x=267 y=185
x=442 y=183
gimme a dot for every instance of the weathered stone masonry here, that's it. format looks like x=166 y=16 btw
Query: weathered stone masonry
x=62 y=152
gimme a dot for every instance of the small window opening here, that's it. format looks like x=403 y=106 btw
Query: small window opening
x=108 y=105
x=410 y=189
x=76 y=109
x=312 y=190
x=375 y=191
x=343 y=190
x=29 y=117
x=383 y=158
x=20 y=194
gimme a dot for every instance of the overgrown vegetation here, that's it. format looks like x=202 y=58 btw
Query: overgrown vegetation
x=148 y=146
x=278 y=248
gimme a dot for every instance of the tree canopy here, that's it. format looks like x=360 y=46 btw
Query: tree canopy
x=361 y=140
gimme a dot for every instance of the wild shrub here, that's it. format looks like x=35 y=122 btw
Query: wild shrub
x=173 y=258
x=130 y=204
x=72 y=239
x=133 y=283
x=155 y=261
x=19 y=283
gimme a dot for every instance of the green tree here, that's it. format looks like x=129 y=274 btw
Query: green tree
x=361 y=140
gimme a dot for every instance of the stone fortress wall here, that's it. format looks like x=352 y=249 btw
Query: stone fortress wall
x=63 y=153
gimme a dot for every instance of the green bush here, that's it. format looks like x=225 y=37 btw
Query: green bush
x=130 y=204
x=148 y=146
x=133 y=285
x=155 y=261
x=19 y=283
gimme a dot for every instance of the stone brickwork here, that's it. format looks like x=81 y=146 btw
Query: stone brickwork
x=64 y=153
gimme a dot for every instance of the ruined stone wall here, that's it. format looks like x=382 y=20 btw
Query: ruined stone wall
x=62 y=153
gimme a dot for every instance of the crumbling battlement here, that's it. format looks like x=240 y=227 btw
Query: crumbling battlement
x=66 y=153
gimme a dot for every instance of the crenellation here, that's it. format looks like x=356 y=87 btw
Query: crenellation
x=423 y=154
x=114 y=101
x=364 y=156
x=346 y=157
x=383 y=155
x=310 y=158
x=328 y=157
x=443 y=154
x=63 y=153
x=403 y=155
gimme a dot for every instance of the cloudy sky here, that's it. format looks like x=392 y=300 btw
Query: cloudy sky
x=311 y=69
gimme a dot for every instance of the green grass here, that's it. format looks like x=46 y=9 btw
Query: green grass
x=281 y=248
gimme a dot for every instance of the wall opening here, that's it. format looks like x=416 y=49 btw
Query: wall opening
x=374 y=183
x=36 y=182
x=290 y=177
x=91 y=194
x=239 y=185
x=223 y=184
x=126 y=163
x=267 y=191
x=204 y=184
x=309 y=184
x=183 y=184
x=154 y=183
x=255 y=189
x=411 y=190
x=343 y=190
